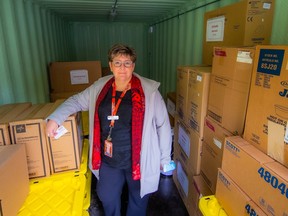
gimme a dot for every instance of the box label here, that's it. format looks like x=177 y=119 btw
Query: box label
x=79 y=77
x=215 y=29
x=184 y=140
x=270 y=61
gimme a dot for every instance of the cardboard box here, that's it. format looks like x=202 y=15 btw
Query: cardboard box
x=210 y=162
x=65 y=152
x=29 y=129
x=229 y=87
x=263 y=179
x=73 y=76
x=267 y=113
x=14 y=180
x=8 y=113
x=61 y=95
x=233 y=199
x=198 y=89
x=245 y=23
x=188 y=147
x=212 y=151
x=214 y=136
x=84 y=114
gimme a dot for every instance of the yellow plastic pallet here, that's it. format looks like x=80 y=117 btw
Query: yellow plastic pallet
x=209 y=206
x=87 y=196
x=62 y=194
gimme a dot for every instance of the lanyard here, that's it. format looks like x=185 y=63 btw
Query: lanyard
x=114 y=107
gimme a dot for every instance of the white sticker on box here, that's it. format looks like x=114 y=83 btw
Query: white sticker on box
x=215 y=29
x=266 y=6
x=244 y=57
x=60 y=132
x=79 y=77
x=199 y=78
x=182 y=178
x=184 y=140
x=217 y=143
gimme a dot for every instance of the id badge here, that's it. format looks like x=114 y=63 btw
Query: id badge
x=108 y=148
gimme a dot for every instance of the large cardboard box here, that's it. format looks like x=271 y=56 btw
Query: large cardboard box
x=45 y=155
x=233 y=199
x=245 y=23
x=212 y=151
x=29 y=129
x=73 y=76
x=198 y=89
x=84 y=114
x=263 y=179
x=187 y=147
x=14 y=180
x=8 y=113
x=214 y=135
x=267 y=113
x=229 y=87
x=65 y=152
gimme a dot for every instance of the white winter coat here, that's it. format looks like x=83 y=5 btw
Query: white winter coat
x=156 y=137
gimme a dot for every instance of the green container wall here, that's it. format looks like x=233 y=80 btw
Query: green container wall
x=32 y=37
x=93 y=40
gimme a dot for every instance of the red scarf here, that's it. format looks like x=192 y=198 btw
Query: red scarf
x=138 y=108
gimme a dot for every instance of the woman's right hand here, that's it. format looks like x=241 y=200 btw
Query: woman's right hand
x=51 y=128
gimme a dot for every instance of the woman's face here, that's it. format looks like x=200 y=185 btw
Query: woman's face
x=122 y=68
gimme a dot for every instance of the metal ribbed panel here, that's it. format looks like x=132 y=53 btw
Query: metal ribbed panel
x=27 y=46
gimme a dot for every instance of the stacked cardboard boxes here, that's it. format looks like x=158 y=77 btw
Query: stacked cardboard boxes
x=44 y=157
x=227 y=105
x=245 y=23
x=259 y=176
x=191 y=108
x=267 y=115
x=256 y=163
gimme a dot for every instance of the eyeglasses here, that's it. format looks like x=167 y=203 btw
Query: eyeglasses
x=126 y=64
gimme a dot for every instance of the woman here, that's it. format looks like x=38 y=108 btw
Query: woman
x=129 y=132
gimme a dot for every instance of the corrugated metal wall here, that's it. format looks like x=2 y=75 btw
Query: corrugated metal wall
x=31 y=38
x=93 y=40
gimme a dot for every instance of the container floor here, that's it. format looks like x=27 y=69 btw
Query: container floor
x=165 y=202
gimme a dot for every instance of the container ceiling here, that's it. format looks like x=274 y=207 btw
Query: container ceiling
x=144 y=11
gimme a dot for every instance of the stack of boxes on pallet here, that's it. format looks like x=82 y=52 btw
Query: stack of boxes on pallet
x=43 y=160
x=191 y=107
x=42 y=157
x=238 y=64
